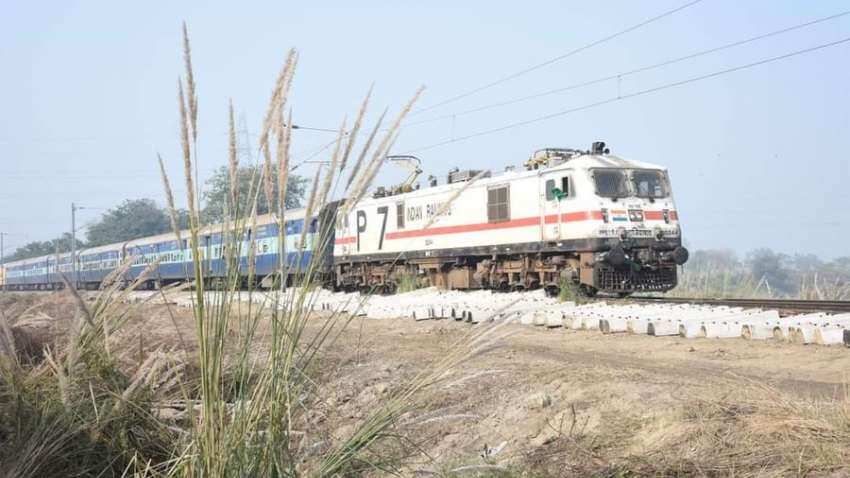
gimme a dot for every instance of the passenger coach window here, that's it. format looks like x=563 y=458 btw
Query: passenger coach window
x=649 y=184
x=399 y=215
x=498 y=204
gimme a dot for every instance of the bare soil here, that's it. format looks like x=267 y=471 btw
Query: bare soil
x=541 y=391
x=557 y=402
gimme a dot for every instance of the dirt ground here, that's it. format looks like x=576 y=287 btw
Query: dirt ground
x=557 y=402
x=539 y=385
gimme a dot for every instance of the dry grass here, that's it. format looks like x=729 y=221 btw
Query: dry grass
x=754 y=431
x=757 y=431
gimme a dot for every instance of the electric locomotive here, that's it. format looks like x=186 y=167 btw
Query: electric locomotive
x=585 y=218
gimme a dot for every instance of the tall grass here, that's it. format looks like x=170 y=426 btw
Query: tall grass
x=729 y=278
x=243 y=393
x=720 y=282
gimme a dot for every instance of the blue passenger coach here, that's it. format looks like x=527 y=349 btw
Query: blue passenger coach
x=173 y=257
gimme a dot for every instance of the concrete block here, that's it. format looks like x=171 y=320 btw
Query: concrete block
x=663 y=327
x=830 y=334
x=691 y=328
x=782 y=330
x=719 y=330
x=423 y=313
x=613 y=325
x=554 y=318
x=637 y=325
x=539 y=318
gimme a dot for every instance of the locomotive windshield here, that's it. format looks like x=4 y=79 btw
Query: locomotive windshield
x=649 y=184
x=611 y=183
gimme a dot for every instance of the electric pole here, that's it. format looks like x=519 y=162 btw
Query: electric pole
x=2 y=261
x=74 y=209
x=73 y=245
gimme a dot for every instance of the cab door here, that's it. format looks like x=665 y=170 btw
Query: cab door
x=555 y=192
x=550 y=208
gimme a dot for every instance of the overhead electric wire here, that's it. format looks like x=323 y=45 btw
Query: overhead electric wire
x=312 y=155
x=630 y=95
x=308 y=128
x=555 y=59
x=630 y=72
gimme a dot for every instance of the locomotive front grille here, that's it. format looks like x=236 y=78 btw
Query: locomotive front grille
x=612 y=279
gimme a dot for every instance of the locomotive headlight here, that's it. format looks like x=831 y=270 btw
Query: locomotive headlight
x=659 y=234
x=622 y=234
x=666 y=214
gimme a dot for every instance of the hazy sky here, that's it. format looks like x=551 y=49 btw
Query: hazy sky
x=757 y=157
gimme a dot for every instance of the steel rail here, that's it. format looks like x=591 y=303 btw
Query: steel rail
x=796 y=305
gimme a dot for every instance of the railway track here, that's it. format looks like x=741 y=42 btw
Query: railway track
x=785 y=305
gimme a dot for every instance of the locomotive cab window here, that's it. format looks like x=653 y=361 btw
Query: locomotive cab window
x=649 y=184
x=498 y=204
x=399 y=215
x=559 y=192
x=611 y=183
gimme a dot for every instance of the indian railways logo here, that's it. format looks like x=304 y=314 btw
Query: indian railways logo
x=415 y=213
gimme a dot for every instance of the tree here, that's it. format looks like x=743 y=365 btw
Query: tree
x=44 y=248
x=132 y=219
x=773 y=267
x=714 y=259
x=217 y=192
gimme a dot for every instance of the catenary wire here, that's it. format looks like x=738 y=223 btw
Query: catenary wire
x=630 y=95
x=555 y=59
x=630 y=72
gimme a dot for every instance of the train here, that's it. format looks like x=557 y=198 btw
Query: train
x=587 y=219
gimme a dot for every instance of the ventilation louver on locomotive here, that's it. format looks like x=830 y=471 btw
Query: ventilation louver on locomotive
x=458 y=176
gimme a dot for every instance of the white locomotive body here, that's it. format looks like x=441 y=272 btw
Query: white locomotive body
x=587 y=218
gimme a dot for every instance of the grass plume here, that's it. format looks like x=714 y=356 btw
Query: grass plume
x=169 y=200
x=232 y=158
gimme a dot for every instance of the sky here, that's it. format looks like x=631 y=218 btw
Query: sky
x=757 y=157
